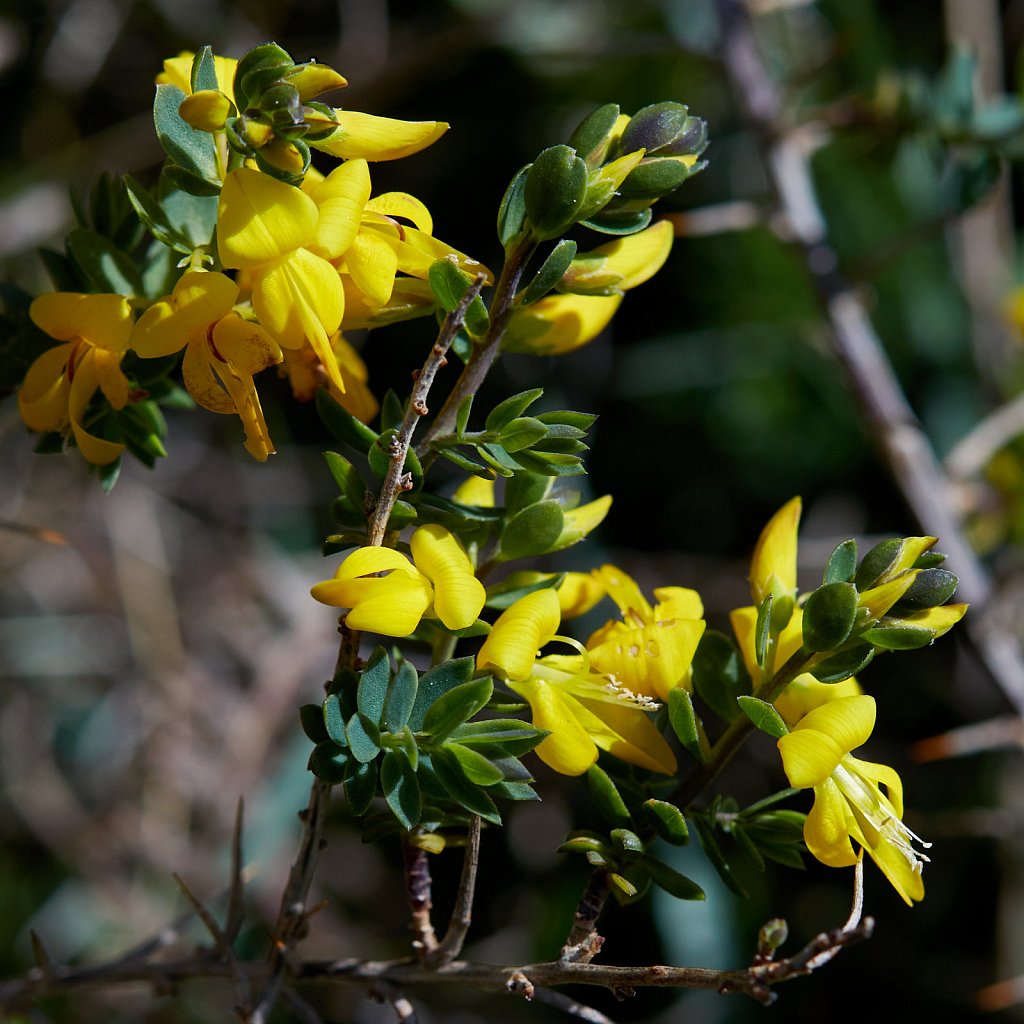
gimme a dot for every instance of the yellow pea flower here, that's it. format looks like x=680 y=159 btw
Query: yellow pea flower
x=265 y=227
x=388 y=594
x=178 y=71
x=850 y=803
x=59 y=385
x=582 y=710
x=558 y=324
x=652 y=648
x=773 y=565
x=622 y=264
x=222 y=351
x=305 y=375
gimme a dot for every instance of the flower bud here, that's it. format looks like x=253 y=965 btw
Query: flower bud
x=259 y=68
x=312 y=80
x=595 y=134
x=206 y=110
x=665 y=129
x=554 y=192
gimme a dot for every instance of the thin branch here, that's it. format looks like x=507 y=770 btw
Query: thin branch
x=236 y=900
x=583 y=943
x=462 y=913
x=396 y=480
x=418 y=897
x=570 y=1006
x=387 y=993
x=972 y=452
x=884 y=409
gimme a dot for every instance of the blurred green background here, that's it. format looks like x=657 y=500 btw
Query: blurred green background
x=152 y=665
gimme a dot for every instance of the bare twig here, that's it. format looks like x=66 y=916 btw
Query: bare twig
x=583 y=943
x=884 y=409
x=462 y=913
x=236 y=899
x=571 y=1007
x=395 y=480
x=418 y=897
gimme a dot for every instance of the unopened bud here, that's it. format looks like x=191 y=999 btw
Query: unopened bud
x=554 y=192
x=772 y=935
x=664 y=129
x=259 y=68
x=314 y=79
x=206 y=110
x=593 y=137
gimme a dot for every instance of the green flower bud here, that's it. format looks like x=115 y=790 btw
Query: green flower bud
x=258 y=69
x=829 y=615
x=931 y=588
x=554 y=192
x=660 y=127
x=594 y=135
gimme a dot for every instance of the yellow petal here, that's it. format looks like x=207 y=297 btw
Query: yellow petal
x=578 y=522
x=372 y=265
x=878 y=600
x=622 y=589
x=245 y=346
x=401 y=204
x=678 y=603
x=774 y=559
x=417 y=252
x=826 y=830
x=809 y=757
x=848 y=721
x=626 y=732
x=806 y=693
x=474 y=490
x=904 y=876
x=206 y=110
x=198 y=300
x=458 y=595
x=178 y=71
x=378 y=138
x=43 y=396
x=409 y=299
x=103 y=320
x=112 y=382
x=299 y=299
x=940 y=619
x=340 y=198
x=519 y=633
x=636 y=258
x=569 y=749
x=578 y=593
x=261 y=219
x=83 y=386
x=559 y=323
x=201 y=382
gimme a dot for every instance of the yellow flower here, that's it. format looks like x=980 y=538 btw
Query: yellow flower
x=773 y=565
x=60 y=384
x=368 y=137
x=222 y=351
x=178 y=71
x=583 y=710
x=620 y=265
x=305 y=374
x=651 y=649
x=266 y=227
x=389 y=595
x=475 y=490
x=850 y=804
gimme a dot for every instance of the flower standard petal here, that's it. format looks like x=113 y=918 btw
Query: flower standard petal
x=809 y=757
x=848 y=721
x=519 y=633
x=103 y=320
x=622 y=589
x=458 y=595
x=401 y=204
x=341 y=198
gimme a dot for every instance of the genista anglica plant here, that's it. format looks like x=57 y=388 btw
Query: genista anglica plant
x=458 y=671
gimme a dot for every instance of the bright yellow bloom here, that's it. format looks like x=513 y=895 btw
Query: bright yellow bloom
x=559 y=323
x=305 y=374
x=773 y=565
x=620 y=265
x=583 y=710
x=579 y=592
x=651 y=649
x=222 y=351
x=850 y=805
x=475 y=490
x=60 y=384
x=266 y=227
x=389 y=595
x=178 y=71
x=368 y=137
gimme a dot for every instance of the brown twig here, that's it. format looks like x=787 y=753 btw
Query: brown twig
x=462 y=913
x=396 y=480
x=236 y=899
x=583 y=943
x=418 y=898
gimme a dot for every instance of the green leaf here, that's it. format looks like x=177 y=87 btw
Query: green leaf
x=191 y=150
x=898 y=637
x=747 y=847
x=373 y=685
x=763 y=715
x=400 y=698
x=204 y=70
x=842 y=563
x=453 y=708
x=719 y=675
x=448 y=283
x=533 y=531
x=191 y=216
x=619 y=222
x=685 y=724
x=360 y=785
x=332 y=720
x=931 y=588
x=349 y=482
x=581 y=421
x=449 y=773
x=592 y=134
x=668 y=821
x=342 y=424
x=474 y=765
x=515 y=405
x=437 y=682
x=713 y=852
x=550 y=273
x=363 y=738
x=627 y=841
x=400 y=788
x=829 y=615
x=311 y=717
x=514 y=791
x=328 y=761
x=152 y=214
x=411 y=748
x=511 y=734
x=512 y=211
x=550 y=464
x=844 y=664
x=519 y=584
x=667 y=878
x=522 y=432
x=584 y=842
x=877 y=562
x=762 y=630
x=498 y=459
x=607 y=798
x=106 y=267
x=466 y=463
x=462 y=416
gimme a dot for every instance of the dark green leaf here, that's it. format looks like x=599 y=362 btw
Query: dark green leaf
x=360 y=785
x=373 y=685
x=328 y=761
x=512 y=211
x=332 y=720
x=931 y=588
x=449 y=773
x=555 y=190
x=763 y=715
x=829 y=615
x=462 y=416
x=466 y=463
x=400 y=788
x=627 y=841
x=311 y=717
x=842 y=563
x=349 y=482
x=685 y=725
x=342 y=424
x=512 y=735
x=435 y=683
x=668 y=821
x=877 y=562
x=514 y=791
x=515 y=405
x=152 y=215
x=762 y=630
x=719 y=675
x=400 y=698
x=619 y=222
x=456 y=706
x=533 y=531
x=474 y=765
x=713 y=852
x=582 y=421
x=191 y=150
x=592 y=135
x=363 y=738
x=667 y=878
x=844 y=664
x=522 y=432
x=550 y=273
x=607 y=798
x=898 y=637
x=107 y=268
x=204 y=70
x=448 y=283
